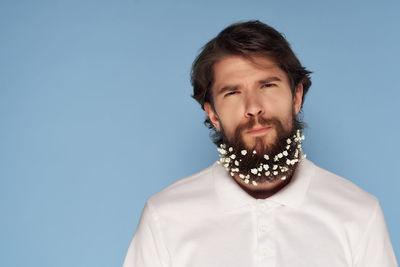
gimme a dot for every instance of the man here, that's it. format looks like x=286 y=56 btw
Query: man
x=262 y=203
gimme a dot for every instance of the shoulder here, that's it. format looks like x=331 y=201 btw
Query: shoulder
x=338 y=187
x=339 y=195
x=186 y=187
x=186 y=194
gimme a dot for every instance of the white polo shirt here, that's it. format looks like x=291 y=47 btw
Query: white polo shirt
x=206 y=220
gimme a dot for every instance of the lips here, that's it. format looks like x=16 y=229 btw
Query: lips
x=259 y=130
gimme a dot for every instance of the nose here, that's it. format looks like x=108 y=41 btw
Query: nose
x=254 y=106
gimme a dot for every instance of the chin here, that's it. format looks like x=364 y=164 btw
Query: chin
x=261 y=143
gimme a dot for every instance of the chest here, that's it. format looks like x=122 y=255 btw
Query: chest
x=258 y=236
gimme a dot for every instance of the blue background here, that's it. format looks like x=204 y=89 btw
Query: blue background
x=96 y=113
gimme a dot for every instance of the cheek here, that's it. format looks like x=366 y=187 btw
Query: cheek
x=230 y=118
x=278 y=107
x=282 y=109
x=229 y=123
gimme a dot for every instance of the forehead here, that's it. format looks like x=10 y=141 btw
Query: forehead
x=237 y=69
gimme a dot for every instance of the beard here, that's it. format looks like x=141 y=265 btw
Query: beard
x=262 y=162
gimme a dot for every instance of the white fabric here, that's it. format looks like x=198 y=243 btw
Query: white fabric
x=207 y=220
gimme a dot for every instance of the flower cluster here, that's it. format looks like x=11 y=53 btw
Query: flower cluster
x=271 y=168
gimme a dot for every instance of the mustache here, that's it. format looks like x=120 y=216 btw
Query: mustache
x=261 y=120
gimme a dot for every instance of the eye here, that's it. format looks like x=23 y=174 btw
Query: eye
x=267 y=85
x=230 y=93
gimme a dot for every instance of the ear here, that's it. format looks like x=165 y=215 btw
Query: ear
x=212 y=115
x=298 y=98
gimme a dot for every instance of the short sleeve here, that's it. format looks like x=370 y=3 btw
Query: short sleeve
x=374 y=248
x=147 y=247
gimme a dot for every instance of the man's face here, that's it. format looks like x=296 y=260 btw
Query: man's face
x=252 y=99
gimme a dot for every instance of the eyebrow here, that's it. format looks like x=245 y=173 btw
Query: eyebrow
x=270 y=79
x=230 y=88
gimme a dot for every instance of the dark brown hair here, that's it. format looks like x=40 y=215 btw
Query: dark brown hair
x=247 y=39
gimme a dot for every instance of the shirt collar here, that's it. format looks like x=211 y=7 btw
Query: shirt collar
x=232 y=196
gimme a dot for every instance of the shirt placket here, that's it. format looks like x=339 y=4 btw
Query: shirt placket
x=265 y=254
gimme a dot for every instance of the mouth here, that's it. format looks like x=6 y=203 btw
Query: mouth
x=258 y=131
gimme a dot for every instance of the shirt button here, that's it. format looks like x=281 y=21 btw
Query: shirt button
x=263 y=228
x=263 y=206
x=264 y=253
